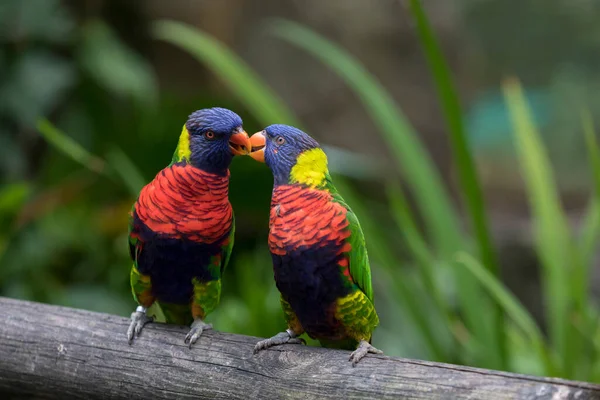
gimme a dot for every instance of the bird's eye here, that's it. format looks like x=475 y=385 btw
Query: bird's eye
x=279 y=140
x=210 y=135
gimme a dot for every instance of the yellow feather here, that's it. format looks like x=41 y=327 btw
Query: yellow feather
x=183 y=146
x=310 y=168
x=351 y=298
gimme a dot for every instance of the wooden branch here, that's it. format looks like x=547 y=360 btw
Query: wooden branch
x=56 y=352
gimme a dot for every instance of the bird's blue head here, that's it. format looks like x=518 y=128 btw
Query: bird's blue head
x=292 y=155
x=210 y=138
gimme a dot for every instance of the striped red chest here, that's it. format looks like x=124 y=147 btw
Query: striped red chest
x=186 y=202
x=303 y=217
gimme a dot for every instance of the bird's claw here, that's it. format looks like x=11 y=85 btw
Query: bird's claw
x=280 y=338
x=198 y=326
x=363 y=349
x=138 y=320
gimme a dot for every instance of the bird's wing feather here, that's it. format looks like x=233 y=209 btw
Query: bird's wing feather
x=359 y=260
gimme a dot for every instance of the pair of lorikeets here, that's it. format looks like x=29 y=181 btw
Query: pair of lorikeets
x=182 y=229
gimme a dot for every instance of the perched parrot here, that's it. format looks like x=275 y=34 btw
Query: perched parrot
x=181 y=227
x=318 y=249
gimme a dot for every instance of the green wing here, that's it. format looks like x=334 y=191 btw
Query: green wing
x=359 y=260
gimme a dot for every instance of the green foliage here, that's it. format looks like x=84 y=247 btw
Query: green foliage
x=69 y=147
x=471 y=189
x=517 y=313
x=115 y=67
x=241 y=80
x=565 y=277
x=591 y=229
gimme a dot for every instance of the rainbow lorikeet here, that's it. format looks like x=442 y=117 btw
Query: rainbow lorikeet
x=182 y=225
x=319 y=256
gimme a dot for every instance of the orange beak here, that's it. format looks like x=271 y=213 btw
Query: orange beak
x=239 y=144
x=257 y=143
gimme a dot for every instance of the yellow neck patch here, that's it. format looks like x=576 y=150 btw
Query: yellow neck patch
x=310 y=168
x=183 y=146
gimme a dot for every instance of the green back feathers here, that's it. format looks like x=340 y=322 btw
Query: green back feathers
x=359 y=260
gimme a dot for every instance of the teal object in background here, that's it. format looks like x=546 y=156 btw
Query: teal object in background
x=488 y=123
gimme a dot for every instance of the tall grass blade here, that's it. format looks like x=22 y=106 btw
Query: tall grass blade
x=517 y=313
x=421 y=253
x=467 y=173
x=126 y=170
x=589 y=237
x=590 y=232
x=591 y=221
x=69 y=147
x=551 y=230
x=264 y=104
x=593 y=150
x=591 y=227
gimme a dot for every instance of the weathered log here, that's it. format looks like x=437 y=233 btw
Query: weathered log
x=57 y=353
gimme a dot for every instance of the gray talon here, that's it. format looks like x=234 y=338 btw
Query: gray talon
x=363 y=349
x=280 y=338
x=198 y=326
x=138 y=320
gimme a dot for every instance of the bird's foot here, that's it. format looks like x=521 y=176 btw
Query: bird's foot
x=138 y=320
x=288 y=337
x=363 y=348
x=196 y=329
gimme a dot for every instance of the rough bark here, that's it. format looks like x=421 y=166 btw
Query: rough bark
x=56 y=352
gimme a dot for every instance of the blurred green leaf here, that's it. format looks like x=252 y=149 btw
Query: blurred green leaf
x=512 y=307
x=117 y=67
x=264 y=104
x=13 y=163
x=36 y=83
x=12 y=199
x=12 y=196
x=471 y=190
x=590 y=232
x=353 y=165
x=400 y=211
x=552 y=236
x=42 y=20
x=593 y=151
x=126 y=170
x=591 y=221
x=69 y=147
